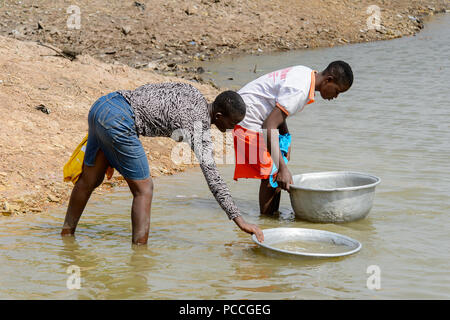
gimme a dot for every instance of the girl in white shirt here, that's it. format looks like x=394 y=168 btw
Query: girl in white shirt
x=262 y=136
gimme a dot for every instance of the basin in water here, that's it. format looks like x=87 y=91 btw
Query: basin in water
x=339 y=196
x=308 y=242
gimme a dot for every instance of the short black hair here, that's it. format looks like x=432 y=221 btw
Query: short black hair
x=230 y=104
x=341 y=72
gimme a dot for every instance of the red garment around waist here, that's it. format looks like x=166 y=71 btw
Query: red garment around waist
x=251 y=155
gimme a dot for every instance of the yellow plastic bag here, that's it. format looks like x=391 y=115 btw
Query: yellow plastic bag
x=74 y=167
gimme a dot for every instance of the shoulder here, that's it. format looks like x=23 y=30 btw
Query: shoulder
x=191 y=94
x=172 y=87
x=300 y=72
x=302 y=68
x=186 y=91
x=299 y=77
x=177 y=92
x=189 y=102
x=177 y=87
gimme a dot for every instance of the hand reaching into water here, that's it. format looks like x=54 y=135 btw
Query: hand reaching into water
x=249 y=228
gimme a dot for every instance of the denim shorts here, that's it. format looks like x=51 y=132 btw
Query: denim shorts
x=112 y=129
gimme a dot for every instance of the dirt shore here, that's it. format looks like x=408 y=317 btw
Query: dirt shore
x=163 y=35
x=35 y=144
x=157 y=37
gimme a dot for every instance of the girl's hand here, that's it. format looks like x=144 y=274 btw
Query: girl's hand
x=249 y=228
x=284 y=178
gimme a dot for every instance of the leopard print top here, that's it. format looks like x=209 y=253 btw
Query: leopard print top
x=179 y=110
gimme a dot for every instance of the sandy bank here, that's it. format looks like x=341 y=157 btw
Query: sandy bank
x=35 y=145
x=164 y=34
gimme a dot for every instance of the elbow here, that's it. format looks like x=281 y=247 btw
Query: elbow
x=268 y=125
x=264 y=125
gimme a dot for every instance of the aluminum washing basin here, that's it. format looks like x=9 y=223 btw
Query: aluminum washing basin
x=332 y=197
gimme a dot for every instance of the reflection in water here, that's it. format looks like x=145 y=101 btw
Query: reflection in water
x=101 y=279
x=91 y=267
x=137 y=275
x=393 y=123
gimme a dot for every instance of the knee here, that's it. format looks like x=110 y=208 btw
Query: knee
x=88 y=184
x=99 y=181
x=143 y=189
x=146 y=192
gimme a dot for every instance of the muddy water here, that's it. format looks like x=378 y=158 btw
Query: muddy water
x=393 y=123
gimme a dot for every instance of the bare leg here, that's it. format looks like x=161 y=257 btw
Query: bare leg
x=90 y=178
x=142 y=191
x=269 y=198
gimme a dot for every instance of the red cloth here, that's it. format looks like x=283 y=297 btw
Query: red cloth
x=251 y=155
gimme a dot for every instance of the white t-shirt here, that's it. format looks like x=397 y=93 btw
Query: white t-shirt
x=289 y=89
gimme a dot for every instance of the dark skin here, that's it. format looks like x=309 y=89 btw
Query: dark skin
x=142 y=191
x=90 y=179
x=269 y=198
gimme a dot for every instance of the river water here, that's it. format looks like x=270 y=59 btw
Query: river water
x=393 y=123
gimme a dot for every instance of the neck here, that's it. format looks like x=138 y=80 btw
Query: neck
x=319 y=79
x=211 y=111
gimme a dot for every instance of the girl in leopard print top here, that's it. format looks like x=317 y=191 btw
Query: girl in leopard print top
x=164 y=109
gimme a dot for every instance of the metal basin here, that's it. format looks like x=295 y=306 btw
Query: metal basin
x=339 y=196
x=308 y=242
